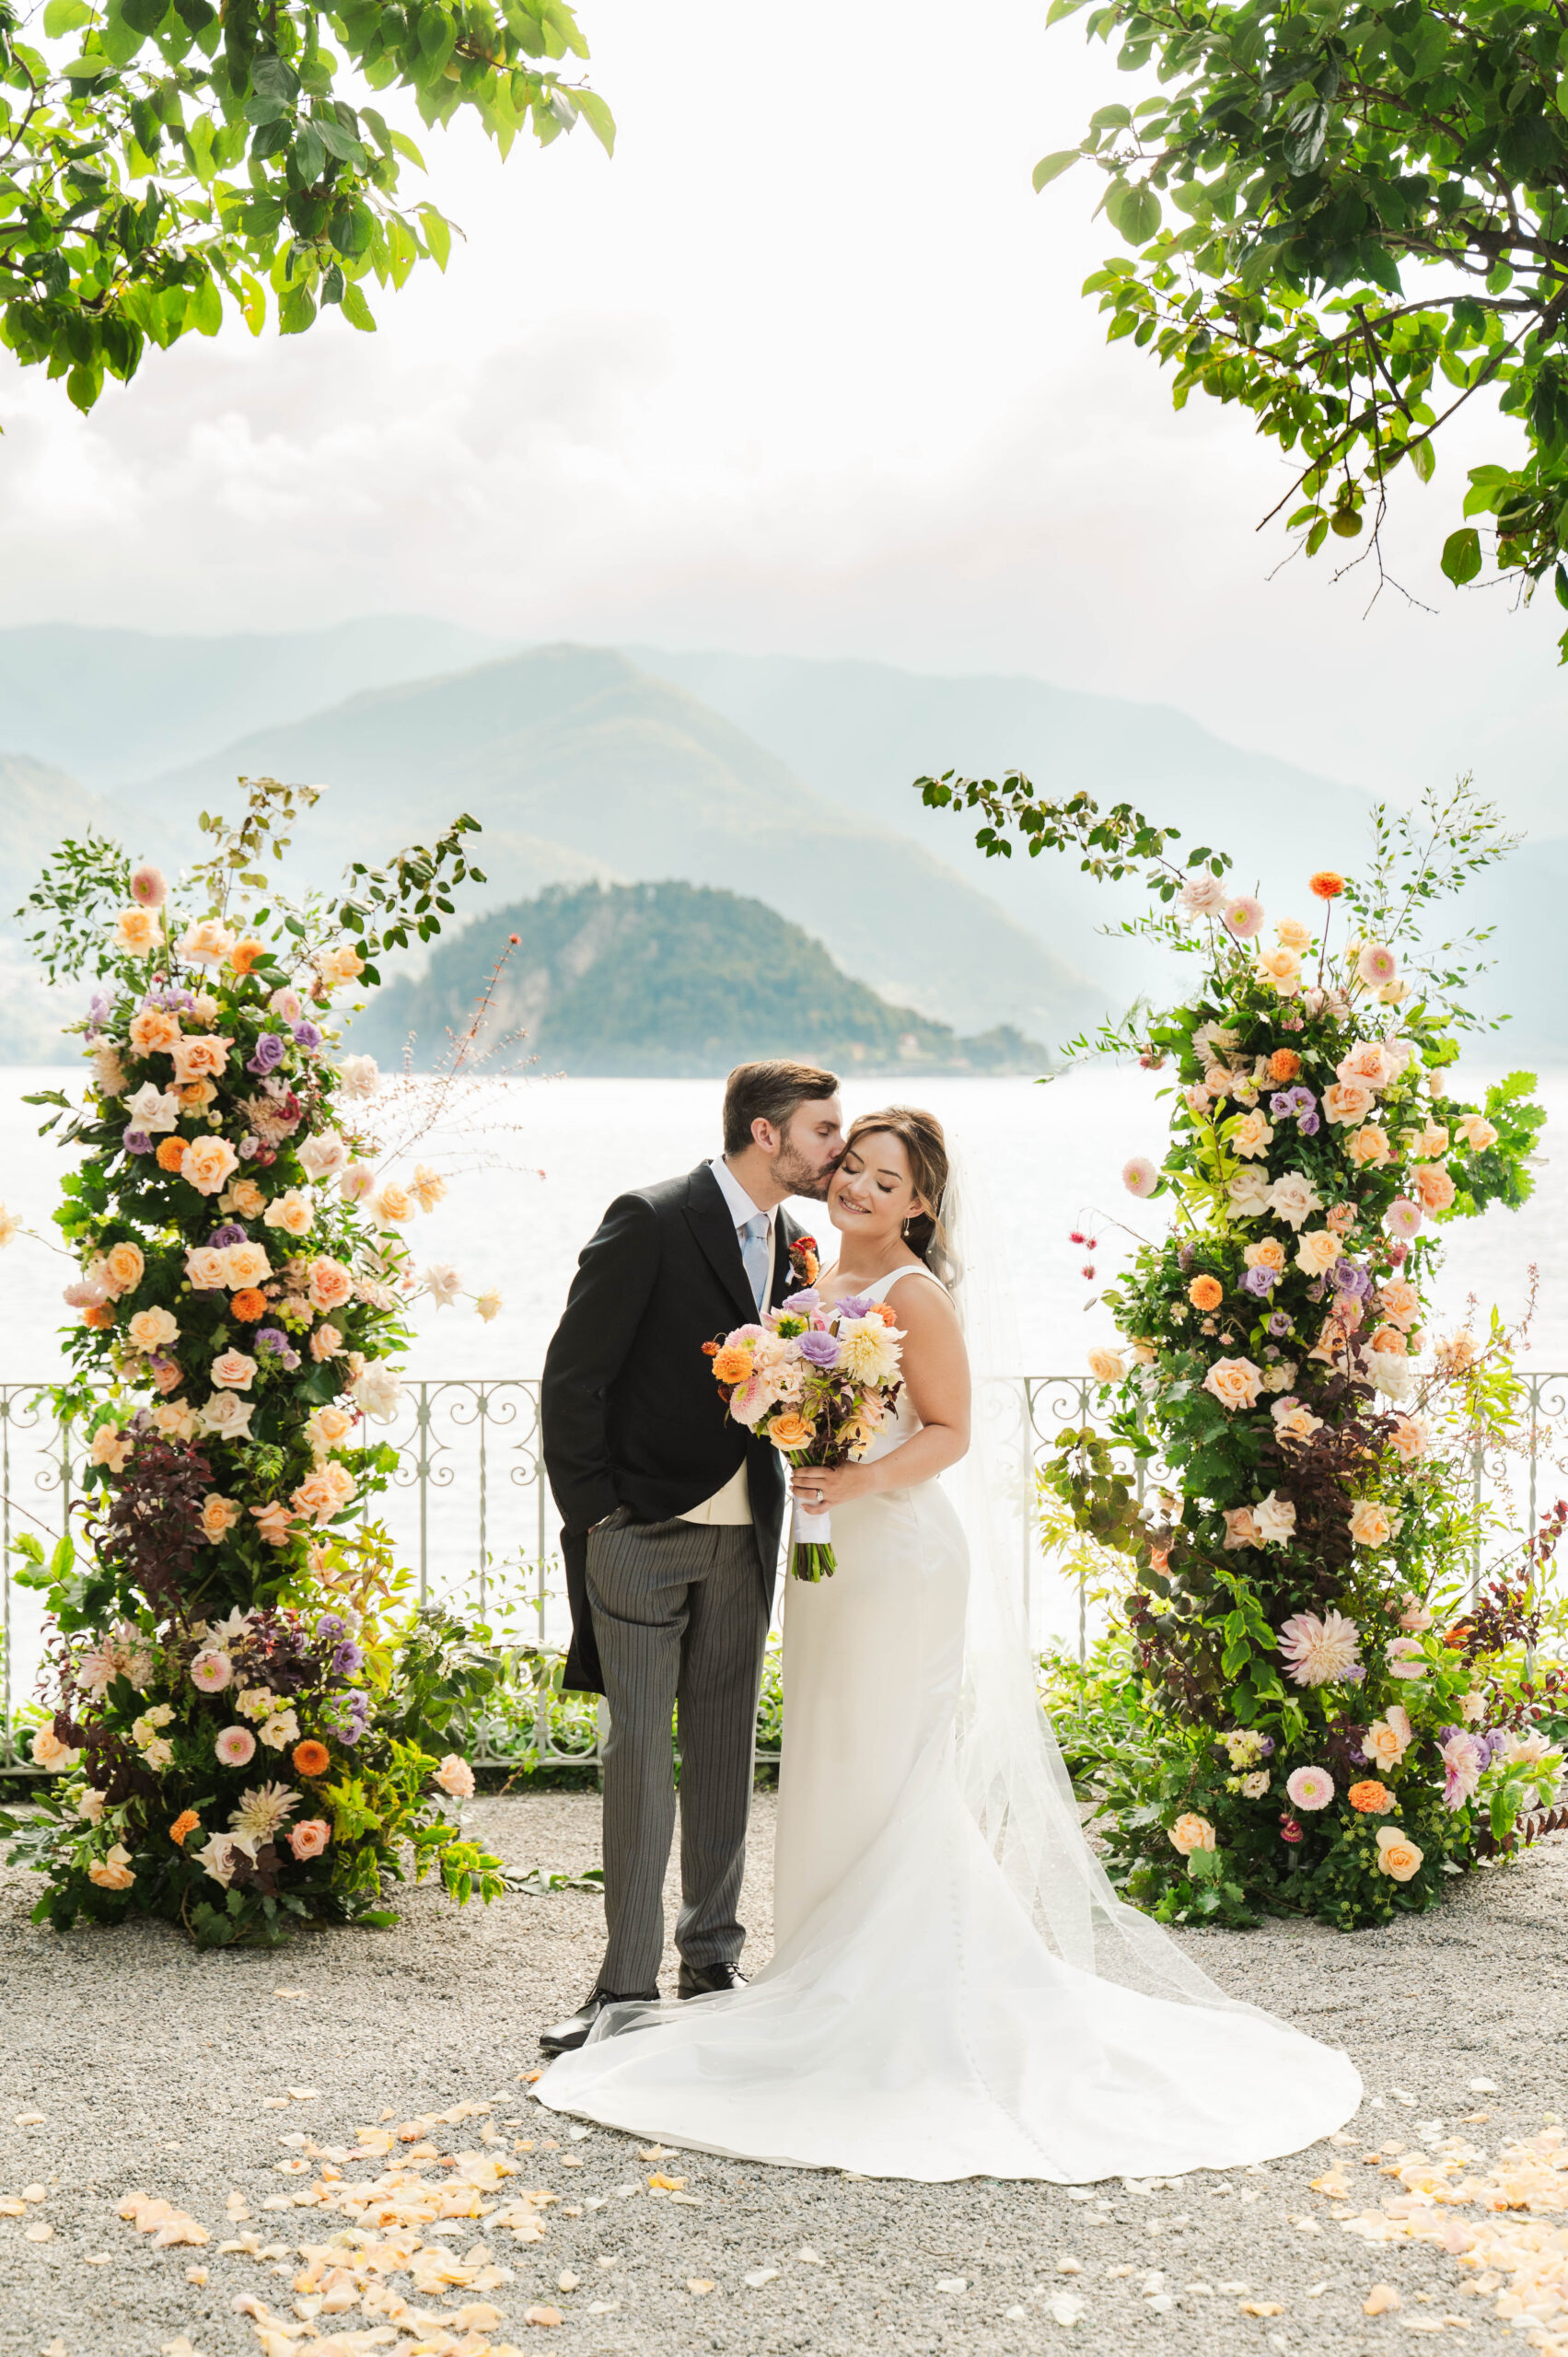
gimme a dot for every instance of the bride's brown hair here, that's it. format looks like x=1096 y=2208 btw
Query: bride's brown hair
x=925 y=1148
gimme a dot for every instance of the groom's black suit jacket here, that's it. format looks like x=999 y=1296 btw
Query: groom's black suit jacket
x=631 y=1414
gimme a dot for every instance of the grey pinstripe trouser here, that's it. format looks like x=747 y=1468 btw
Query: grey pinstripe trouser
x=680 y=1614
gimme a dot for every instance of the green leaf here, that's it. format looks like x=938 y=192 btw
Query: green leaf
x=1462 y=556
x=356 y=310
x=598 y=117
x=64 y=16
x=1051 y=168
x=1138 y=215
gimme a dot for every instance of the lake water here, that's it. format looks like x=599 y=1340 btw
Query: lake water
x=534 y=1166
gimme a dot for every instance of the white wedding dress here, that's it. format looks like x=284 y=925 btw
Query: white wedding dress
x=914 y=2021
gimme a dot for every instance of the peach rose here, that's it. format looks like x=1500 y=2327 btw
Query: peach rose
x=274 y=1522
x=218 y=1516
x=1476 y=1133
x=207 y=944
x=1369 y=1524
x=1291 y=934
x=455 y=1776
x=1340 y=1217
x=150 y=1329
x=1391 y=1340
x=1298 y=1423
x=1410 y=1438
x=206 y=1266
x=1106 y=1365
x=1240 y=1527
x=110 y=1446
x=1235 y=1382
x=1252 y=1135
x=154 y=1032
x=1456 y=1354
x=340 y=965
x=1267 y=1253
x=1368 y=1063
x=113 y=1873
x=245 y=1264
x=208 y=1163
x=174 y=1422
x=293 y=1212
x=391 y=1204
x=331 y=1284
x=135 y=930
x=124 y=1267
x=49 y=1752
x=327 y=1428
x=427 y=1187
x=1317 y=1251
x=325 y=1343
x=202 y=1058
x=1387 y=1740
x=245 y=1199
x=234 y=1372
x=1433 y=1140
x=1282 y=968
x=1191 y=1832
x=324 y=1493
x=1399 y=1301
x=789 y=1430
x=1347 y=1101
x=309 y=1836
x=1397 y=1853
x=1368 y=1147
x=1433 y=1186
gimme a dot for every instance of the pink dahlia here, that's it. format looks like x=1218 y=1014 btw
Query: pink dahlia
x=211 y=1670
x=1404 y=1217
x=1320 y=1652
x=1310 y=1787
x=148 y=887
x=1244 y=917
x=236 y=1746
x=1375 y=963
x=1139 y=1175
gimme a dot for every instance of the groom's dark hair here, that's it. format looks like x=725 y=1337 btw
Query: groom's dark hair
x=768 y=1092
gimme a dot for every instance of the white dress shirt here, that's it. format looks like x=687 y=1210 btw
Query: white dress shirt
x=733 y=1503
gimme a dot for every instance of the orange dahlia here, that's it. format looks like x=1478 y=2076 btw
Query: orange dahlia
x=246 y=954
x=170 y=1153
x=311 y=1758
x=1283 y=1064
x=732 y=1364
x=1327 y=883
x=249 y=1303
x=1205 y=1292
x=186 y=1822
x=1370 y=1797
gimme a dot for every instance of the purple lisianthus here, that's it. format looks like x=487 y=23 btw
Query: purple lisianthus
x=272 y=1344
x=856 y=1304
x=802 y=1304
x=307 y=1037
x=819 y=1351
x=1346 y=1276
x=1279 y=1323
x=138 y=1142
x=332 y=1629
x=349 y=1659
x=268 y=1055
x=347 y=1715
x=1310 y=1125
x=230 y=1232
x=1261 y=1282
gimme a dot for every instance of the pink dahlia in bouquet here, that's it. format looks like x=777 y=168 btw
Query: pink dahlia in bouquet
x=819 y=1382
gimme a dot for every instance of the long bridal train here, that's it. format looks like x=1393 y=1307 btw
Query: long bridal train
x=914 y=2021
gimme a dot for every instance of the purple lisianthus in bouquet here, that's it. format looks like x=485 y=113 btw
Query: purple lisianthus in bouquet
x=818 y=1381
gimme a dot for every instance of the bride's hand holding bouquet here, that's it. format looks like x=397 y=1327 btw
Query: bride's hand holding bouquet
x=818 y=1381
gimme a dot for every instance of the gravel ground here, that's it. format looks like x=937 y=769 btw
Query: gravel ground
x=152 y=2067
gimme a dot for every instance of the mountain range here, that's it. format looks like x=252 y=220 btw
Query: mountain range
x=781 y=779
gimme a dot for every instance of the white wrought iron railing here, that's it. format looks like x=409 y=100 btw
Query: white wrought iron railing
x=470 y=1514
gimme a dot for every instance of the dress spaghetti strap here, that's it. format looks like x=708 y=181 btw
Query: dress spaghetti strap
x=878 y=1292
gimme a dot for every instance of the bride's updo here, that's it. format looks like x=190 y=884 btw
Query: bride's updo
x=925 y=1148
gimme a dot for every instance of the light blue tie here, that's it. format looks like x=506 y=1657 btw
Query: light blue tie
x=754 y=1252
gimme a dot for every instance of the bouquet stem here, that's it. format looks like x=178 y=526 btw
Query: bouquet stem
x=811 y=1557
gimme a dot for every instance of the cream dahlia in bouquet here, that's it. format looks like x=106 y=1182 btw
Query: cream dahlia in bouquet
x=819 y=1382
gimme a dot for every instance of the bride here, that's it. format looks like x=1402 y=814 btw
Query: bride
x=955 y=1989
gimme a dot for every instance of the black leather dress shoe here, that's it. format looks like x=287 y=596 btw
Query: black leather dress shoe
x=562 y=2037
x=707 y=1979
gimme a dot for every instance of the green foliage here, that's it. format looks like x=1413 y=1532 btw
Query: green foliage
x=1318 y=157
x=157 y=159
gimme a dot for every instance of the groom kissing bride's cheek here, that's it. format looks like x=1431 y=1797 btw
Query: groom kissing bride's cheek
x=671 y=1516
x=955 y=1989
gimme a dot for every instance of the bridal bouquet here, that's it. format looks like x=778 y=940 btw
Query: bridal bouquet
x=819 y=1382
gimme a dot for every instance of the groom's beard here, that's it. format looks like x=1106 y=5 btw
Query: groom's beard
x=790 y=1170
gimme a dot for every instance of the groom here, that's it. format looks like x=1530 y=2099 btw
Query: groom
x=671 y=1516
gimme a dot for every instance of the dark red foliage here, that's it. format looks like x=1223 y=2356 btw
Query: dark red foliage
x=151 y=1533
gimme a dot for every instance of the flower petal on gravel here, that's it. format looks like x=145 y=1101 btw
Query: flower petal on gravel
x=1381 y=2300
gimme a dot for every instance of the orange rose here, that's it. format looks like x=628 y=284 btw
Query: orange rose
x=186 y=1822
x=249 y=1303
x=789 y=1430
x=247 y=953
x=1327 y=884
x=170 y=1153
x=313 y=1759
x=1205 y=1292
x=1283 y=1064
x=1370 y=1797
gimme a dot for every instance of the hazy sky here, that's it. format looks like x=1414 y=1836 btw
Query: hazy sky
x=804 y=369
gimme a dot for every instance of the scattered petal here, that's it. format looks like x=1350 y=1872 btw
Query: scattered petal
x=807 y=2257
x=1069 y=2266
x=1381 y=2300
x=566 y=2281
x=1263 y=2308
x=32 y=2120
x=1482 y=2087
x=1068 y=2308
x=40 y=2231
x=602 y=2307
x=542 y=2315
x=757 y=2276
x=698 y=2285
x=944 y=2282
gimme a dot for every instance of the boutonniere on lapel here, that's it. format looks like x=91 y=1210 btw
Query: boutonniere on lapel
x=803 y=1260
